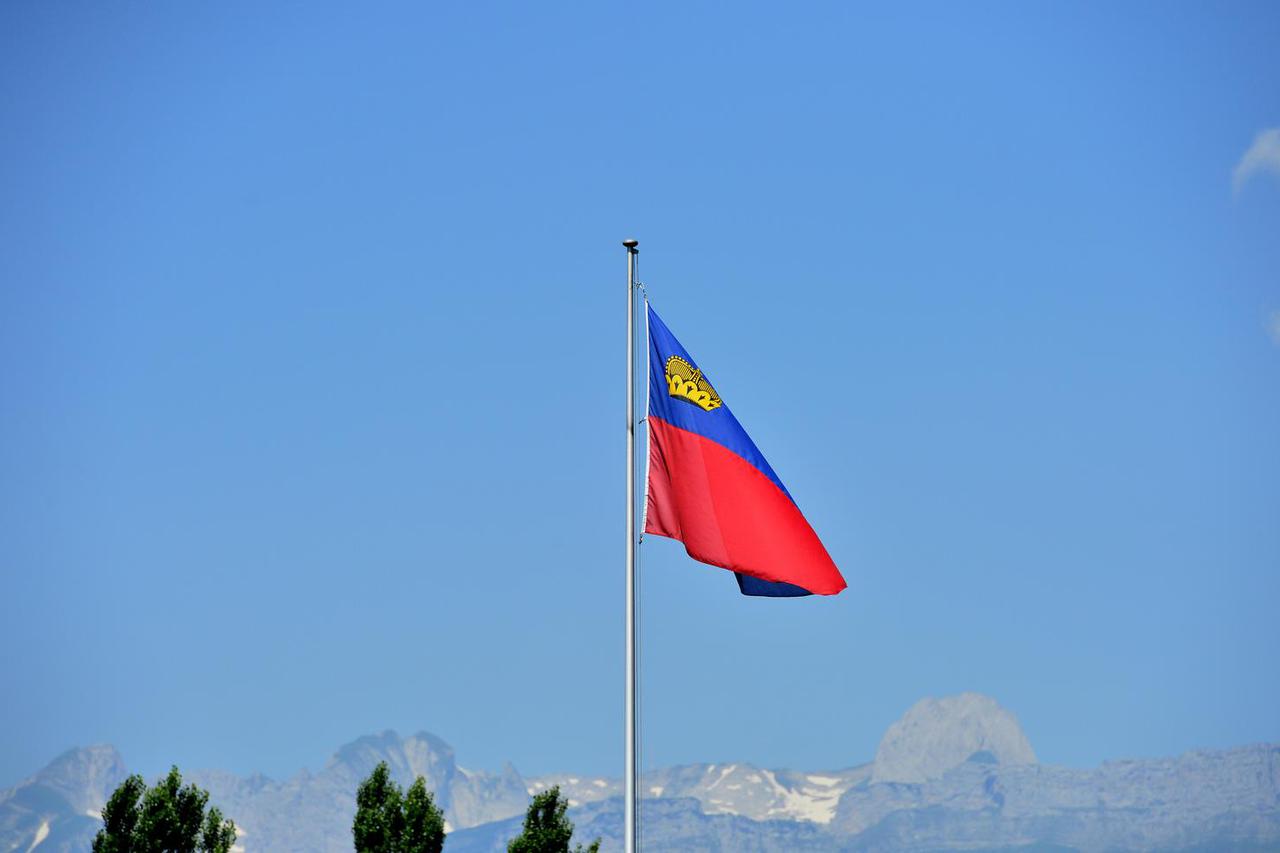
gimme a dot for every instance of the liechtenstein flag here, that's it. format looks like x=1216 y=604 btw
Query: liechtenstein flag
x=710 y=488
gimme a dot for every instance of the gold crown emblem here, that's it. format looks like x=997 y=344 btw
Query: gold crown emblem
x=685 y=382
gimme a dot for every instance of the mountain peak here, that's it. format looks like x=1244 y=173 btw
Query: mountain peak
x=85 y=775
x=981 y=790
x=422 y=754
x=935 y=735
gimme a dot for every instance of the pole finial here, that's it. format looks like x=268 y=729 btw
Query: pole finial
x=631 y=243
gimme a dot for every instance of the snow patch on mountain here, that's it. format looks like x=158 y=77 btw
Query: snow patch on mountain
x=41 y=834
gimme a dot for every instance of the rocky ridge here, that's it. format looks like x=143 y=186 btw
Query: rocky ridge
x=59 y=807
x=953 y=773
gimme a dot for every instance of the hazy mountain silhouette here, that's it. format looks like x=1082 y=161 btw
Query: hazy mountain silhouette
x=954 y=773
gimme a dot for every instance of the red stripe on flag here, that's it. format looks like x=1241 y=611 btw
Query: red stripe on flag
x=730 y=515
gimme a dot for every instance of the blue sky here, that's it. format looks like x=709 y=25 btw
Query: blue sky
x=311 y=363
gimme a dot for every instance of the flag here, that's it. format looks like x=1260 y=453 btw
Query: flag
x=711 y=488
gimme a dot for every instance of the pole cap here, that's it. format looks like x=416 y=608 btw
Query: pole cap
x=631 y=243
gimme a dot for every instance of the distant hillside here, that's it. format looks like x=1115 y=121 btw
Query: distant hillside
x=953 y=774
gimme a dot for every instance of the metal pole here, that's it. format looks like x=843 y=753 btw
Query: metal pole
x=630 y=825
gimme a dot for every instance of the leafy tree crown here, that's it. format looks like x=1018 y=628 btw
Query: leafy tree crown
x=547 y=829
x=388 y=821
x=168 y=818
x=423 y=821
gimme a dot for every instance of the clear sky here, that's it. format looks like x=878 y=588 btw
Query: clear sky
x=311 y=373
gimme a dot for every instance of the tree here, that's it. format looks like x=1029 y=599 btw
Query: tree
x=167 y=818
x=423 y=821
x=379 y=813
x=390 y=822
x=546 y=829
x=119 y=817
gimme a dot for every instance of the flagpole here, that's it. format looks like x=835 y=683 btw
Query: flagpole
x=631 y=783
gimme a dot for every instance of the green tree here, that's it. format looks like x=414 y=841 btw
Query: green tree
x=388 y=821
x=379 y=813
x=423 y=821
x=218 y=833
x=119 y=817
x=546 y=829
x=168 y=818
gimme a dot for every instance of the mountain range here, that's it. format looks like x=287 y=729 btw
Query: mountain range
x=956 y=773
